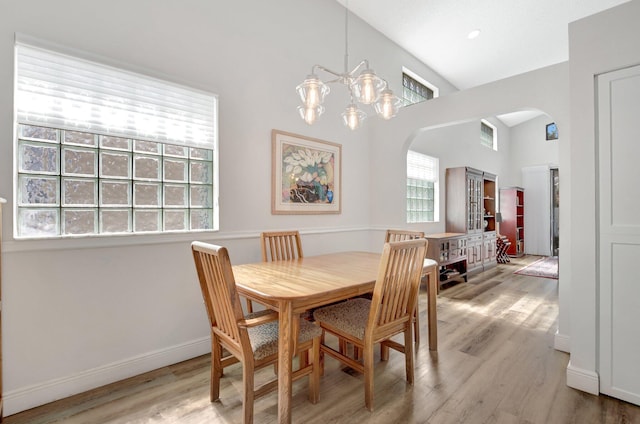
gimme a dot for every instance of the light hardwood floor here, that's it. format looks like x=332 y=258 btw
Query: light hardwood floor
x=495 y=364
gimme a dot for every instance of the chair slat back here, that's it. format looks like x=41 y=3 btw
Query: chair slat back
x=396 y=289
x=280 y=245
x=400 y=235
x=219 y=292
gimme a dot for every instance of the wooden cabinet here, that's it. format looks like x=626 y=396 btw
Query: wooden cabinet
x=450 y=251
x=489 y=235
x=512 y=225
x=463 y=200
x=2 y=201
x=474 y=253
x=489 y=249
x=489 y=202
x=471 y=209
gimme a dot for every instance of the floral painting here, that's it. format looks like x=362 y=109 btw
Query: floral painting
x=306 y=175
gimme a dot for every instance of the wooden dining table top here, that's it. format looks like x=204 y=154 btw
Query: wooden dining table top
x=316 y=279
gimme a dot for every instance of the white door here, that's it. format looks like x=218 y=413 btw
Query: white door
x=618 y=118
x=537 y=210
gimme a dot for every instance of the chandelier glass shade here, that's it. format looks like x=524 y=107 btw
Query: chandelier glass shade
x=353 y=117
x=362 y=83
x=388 y=105
x=312 y=91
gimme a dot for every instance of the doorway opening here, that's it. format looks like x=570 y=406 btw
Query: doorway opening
x=555 y=212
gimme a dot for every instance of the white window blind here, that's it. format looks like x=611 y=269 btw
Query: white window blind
x=61 y=91
x=421 y=167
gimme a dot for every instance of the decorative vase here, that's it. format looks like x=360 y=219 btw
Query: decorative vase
x=329 y=196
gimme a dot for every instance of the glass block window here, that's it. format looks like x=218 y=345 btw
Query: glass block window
x=103 y=150
x=488 y=135
x=73 y=183
x=422 y=187
x=415 y=90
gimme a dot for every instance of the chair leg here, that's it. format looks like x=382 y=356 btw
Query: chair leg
x=321 y=354
x=216 y=368
x=304 y=358
x=342 y=346
x=384 y=352
x=408 y=353
x=314 y=377
x=357 y=353
x=249 y=306
x=248 y=392
x=368 y=376
x=416 y=326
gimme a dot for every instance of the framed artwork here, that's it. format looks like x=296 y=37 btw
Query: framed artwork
x=305 y=174
x=552 y=131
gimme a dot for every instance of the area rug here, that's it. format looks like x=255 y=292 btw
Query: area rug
x=546 y=267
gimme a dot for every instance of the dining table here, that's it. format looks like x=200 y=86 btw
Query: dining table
x=292 y=287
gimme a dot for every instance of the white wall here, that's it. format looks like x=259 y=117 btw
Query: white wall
x=600 y=43
x=529 y=147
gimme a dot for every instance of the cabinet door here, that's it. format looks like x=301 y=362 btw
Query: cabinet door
x=489 y=248
x=474 y=203
x=474 y=252
x=619 y=233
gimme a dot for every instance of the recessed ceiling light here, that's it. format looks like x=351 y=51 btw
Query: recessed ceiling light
x=473 y=34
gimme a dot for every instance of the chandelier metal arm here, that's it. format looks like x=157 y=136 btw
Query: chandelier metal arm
x=322 y=68
x=364 y=63
x=344 y=77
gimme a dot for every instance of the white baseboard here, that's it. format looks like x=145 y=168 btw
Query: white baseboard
x=29 y=397
x=584 y=380
x=562 y=342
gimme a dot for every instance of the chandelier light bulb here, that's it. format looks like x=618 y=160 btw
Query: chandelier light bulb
x=367 y=87
x=368 y=93
x=310 y=114
x=312 y=91
x=388 y=105
x=353 y=117
x=313 y=97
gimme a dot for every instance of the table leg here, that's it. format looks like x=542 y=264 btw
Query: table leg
x=432 y=293
x=285 y=358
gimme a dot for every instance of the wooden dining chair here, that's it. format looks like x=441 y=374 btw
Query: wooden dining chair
x=364 y=323
x=278 y=246
x=399 y=235
x=251 y=339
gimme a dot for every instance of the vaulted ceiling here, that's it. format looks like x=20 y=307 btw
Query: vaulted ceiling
x=516 y=36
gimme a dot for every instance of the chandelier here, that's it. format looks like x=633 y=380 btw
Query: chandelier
x=364 y=87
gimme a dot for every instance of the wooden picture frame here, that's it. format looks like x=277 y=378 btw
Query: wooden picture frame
x=306 y=175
